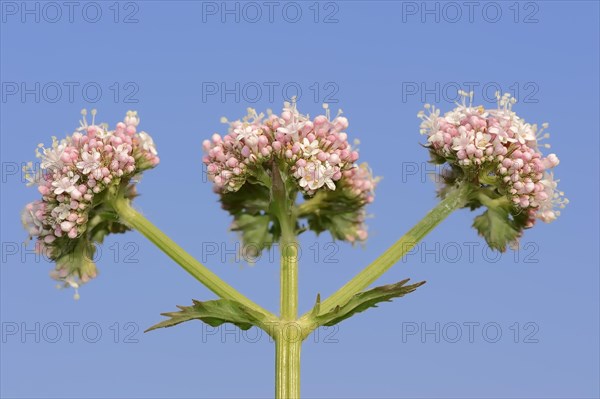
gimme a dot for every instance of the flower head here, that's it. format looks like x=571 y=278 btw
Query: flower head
x=497 y=154
x=78 y=178
x=312 y=154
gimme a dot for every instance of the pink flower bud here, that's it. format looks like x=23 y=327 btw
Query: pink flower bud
x=334 y=159
x=75 y=194
x=550 y=161
x=232 y=162
x=320 y=120
x=66 y=226
x=529 y=187
x=341 y=122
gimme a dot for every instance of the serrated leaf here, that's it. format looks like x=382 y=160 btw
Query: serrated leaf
x=249 y=207
x=214 y=313
x=499 y=227
x=250 y=198
x=256 y=232
x=362 y=301
x=335 y=211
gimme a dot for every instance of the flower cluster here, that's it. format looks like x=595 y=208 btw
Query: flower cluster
x=317 y=150
x=76 y=177
x=313 y=153
x=497 y=151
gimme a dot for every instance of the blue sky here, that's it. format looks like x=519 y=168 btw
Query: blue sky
x=523 y=324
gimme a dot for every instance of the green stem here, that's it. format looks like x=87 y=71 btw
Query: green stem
x=453 y=200
x=289 y=273
x=287 y=364
x=288 y=340
x=132 y=218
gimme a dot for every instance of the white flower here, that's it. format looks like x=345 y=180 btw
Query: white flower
x=310 y=149
x=34 y=176
x=122 y=152
x=500 y=133
x=293 y=128
x=132 y=118
x=312 y=176
x=61 y=212
x=90 y=161
x=523 y=131
x=462 y=142
x=437 y=138
x=51 y=156
x=292 y=122
x=246 y=132
x=430 y=121
x=454 y=117
x=31 y=223
x=548 y=208
x=328 y=172
x=65 y=184
x=147 y=143
x=482 y=140
x=103 y=133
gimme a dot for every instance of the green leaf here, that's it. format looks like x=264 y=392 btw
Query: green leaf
x=250 y=198
x=500 y=227
x=362 y=301
x=338 y=212
x=256 y=233
x=249 y=207
x=214 y=313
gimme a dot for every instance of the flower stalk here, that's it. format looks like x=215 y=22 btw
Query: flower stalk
x=288 y=340
x=454 y=200
x=287 y=365
x=131 y=217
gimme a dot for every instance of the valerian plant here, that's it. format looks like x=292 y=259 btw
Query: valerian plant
x=280 y=176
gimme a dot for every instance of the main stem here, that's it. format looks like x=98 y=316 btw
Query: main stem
x=454 y=199
x=288 y=338
x=137 y=221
